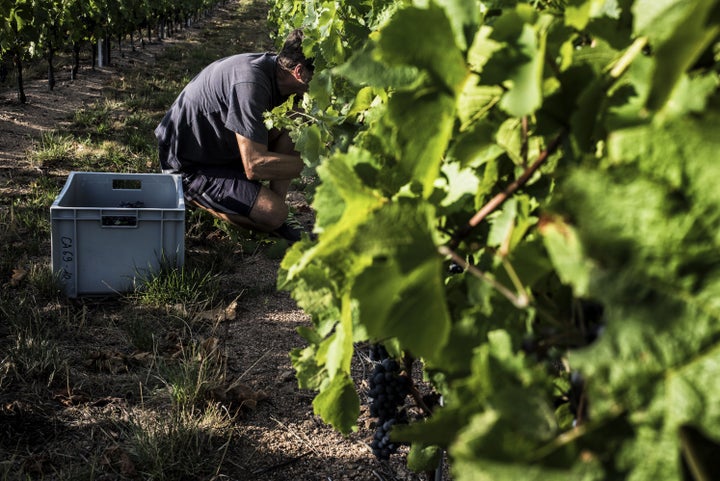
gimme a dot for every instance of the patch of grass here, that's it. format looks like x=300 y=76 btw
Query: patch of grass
x=33 y=353
x=54 y=148
x=43 y=282
x=8 y=466
x=199 y=370
x=98 y=118
x=25 y=223
x=185 y=444
x=192 y=288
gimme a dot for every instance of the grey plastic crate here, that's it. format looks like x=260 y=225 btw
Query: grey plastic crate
x=110 y=231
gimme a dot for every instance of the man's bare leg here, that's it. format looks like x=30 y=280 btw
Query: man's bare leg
x=269 y=211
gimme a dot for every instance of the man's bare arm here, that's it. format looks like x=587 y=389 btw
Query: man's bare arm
x=263 y=164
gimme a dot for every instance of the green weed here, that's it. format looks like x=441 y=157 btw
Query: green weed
x=33 y=354
x=199 y=370
x=54 y=148
x=98 y=118
x=184 y=444
x=192 y=288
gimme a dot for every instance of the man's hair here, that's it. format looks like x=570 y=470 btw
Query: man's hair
x=292 y=53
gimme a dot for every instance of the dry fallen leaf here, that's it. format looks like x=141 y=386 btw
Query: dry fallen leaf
x=110 y=361
x=231 y=311
x=219 y=314
x=70 y=398
x=238 y=394
x=117 y=456
x=17 y=276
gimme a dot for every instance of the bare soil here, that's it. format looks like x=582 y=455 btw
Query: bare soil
x=279 y=438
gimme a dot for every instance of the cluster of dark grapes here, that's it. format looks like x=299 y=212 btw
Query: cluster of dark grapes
x=388 y=389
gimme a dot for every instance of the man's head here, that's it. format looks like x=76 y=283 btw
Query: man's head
x=292 y=60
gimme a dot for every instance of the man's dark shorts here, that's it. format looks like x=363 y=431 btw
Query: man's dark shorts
x=219 y=188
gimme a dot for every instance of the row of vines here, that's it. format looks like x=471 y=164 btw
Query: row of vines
x=38 y=29
x=521 y=198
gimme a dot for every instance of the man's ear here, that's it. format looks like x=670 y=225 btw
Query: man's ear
x=297 y=72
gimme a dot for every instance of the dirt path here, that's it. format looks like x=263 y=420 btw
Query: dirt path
x=280 y=439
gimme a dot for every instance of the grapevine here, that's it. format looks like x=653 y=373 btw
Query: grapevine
x=31 y=29
x=519 y=195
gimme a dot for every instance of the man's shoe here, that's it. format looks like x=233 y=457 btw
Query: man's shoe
x=288 y=232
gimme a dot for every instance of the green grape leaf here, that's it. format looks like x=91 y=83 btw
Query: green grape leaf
x=502 y=223
x=519 y=64
x=423 y=38
x=656 y=269
x=476 y=100
x=679 y=32
x=340 y=348
x=482 y=49
x=405 y=272
x=364 y=69
x=691 y=95
x=489 y=470
x=308 y=373
x=321 y=88
x=310 y=144
x=338 y=404
x=423 y=458
x=433 y=114
x=464 y=17
x=567 y=254
x=458 y=184
x=509 y=137
x=475 y=146
x=315 y=292
x=578 y=13
x=358 y=204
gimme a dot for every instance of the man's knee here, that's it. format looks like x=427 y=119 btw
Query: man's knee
x=269 y=209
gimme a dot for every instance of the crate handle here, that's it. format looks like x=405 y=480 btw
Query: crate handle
x=119 y=221
x=127 y=184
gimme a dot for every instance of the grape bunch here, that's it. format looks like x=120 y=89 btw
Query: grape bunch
x=382 y=445
x=388 y=389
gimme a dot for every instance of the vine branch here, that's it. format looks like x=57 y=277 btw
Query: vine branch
x=519 y=300
x=496 y=201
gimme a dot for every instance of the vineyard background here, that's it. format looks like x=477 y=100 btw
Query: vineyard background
x=83 y=394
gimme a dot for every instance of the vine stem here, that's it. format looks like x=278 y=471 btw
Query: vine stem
x=627 y=58
x=520 y=300
x=408 y=361
x=693 y=460
x=497 y=201
x=525 y=141
x=417 y=397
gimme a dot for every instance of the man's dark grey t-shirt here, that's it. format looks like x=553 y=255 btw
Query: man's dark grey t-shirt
x=228 y=96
